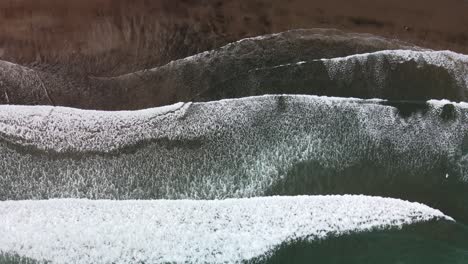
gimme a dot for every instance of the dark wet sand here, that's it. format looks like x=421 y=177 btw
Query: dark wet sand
x=108 y=37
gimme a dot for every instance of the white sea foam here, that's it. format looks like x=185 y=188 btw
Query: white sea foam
x=456 y=64
x=69 y=129
x=228 y=148
x=182 y=231
x=62 y=128
x=313 y=36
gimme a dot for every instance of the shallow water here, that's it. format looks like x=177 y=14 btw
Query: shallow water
x=255 y=146
x=429 y=243
x=288 y=142
x=207 y=231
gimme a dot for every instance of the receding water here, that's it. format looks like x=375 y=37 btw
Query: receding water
x=428 y=243
x=435 y=188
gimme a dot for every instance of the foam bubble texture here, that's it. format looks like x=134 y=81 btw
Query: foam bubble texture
x=219 y=231
x=454 y=63
x=228 y=148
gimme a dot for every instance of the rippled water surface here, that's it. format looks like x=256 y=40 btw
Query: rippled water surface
x=270 y=118
x=431 y=243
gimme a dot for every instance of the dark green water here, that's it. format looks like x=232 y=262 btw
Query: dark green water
x=430 y=187
x=438 y=242
x=428 y=243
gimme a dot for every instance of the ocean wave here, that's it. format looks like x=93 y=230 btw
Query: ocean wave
x=226 y=231
x=227 y=72
x=315 y=62
x=246 y=147
x=183 y=79
x=389 y=74
x=432 y=242
x=303 y=62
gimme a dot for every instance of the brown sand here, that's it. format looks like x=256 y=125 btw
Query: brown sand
x=108 y=37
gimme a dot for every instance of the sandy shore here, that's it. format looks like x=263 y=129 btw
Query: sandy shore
x=107 y=37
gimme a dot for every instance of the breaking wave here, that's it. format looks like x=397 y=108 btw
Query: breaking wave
x=395 y=75
x=247 y=147
x=227 y=231
x=185 y=79
x=429 y=243
x=286 y=114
